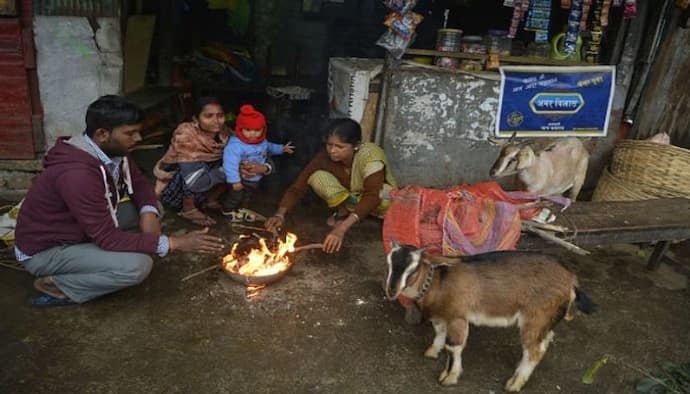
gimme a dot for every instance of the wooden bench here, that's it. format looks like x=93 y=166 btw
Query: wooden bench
x=609 y=222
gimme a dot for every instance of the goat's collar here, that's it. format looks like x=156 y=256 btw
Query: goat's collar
x=427 y=282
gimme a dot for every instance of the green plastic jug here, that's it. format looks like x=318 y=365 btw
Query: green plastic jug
x=557 y=48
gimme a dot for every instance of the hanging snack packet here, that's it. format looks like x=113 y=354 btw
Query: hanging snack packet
x=573 y=30
x=606 y=6
x=630 y=10
x=400 y=6
x=403 y=25
x=586 y=5
x=394 y=43
x=519 y=10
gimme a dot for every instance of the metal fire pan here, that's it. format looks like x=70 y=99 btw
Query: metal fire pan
x=259 y=280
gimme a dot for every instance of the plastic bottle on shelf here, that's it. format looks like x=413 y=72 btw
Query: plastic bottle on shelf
x=535 y=49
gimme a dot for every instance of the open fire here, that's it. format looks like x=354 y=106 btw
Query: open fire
x=260 y=261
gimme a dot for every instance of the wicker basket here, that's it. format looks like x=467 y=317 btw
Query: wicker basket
x=657 y=169
x=611 y=188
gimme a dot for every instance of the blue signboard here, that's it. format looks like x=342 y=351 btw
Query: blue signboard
x=555 y=101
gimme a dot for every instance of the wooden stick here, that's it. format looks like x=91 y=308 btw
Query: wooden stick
x=534 y=204
x=12 y=266
x=551 y=237
x=307 y=247
x=203 y=271
x=214 y=266
x=245 y=227
x=547 y=226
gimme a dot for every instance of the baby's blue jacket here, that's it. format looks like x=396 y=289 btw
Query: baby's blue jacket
x=237 y=151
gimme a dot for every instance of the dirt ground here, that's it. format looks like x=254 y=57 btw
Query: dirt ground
x=325 y=327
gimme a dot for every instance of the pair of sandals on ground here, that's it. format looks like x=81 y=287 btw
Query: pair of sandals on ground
x=241 y=215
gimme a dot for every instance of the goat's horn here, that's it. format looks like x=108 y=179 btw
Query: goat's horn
x=394 y=244
x=512 y=137
x=494 y=141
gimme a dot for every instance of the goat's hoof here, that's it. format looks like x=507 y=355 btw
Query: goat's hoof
x=447 y=379
x=514 y=384
x=432 y=352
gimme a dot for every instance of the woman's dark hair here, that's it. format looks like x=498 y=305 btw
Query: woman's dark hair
x=109 y=112
x=346 y=129
x=203 y=101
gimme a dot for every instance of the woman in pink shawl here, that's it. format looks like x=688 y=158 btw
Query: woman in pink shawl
x=191 y=172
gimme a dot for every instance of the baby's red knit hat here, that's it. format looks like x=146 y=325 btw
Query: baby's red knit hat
x=250 y=118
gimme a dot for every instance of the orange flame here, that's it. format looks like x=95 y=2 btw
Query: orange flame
x=262 y=261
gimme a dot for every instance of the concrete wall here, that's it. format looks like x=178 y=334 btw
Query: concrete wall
x=436 y=126
x=16 y=177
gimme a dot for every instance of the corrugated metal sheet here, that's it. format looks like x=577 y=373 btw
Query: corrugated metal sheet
x=665 y=106
x=89 y=8
x=16 y=138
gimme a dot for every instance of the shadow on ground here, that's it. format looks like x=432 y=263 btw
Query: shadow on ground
x=324 y=328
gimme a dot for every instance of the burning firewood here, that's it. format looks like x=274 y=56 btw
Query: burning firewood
x=254 y=257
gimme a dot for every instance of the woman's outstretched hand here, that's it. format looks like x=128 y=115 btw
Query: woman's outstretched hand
x=274 y=222
x=278 y=219
x=334 y=240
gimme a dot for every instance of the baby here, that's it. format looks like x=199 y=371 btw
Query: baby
x=248 y=144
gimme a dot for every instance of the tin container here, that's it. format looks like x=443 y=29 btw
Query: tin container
x=475 y=45
x=497 y=41
x=448 y=40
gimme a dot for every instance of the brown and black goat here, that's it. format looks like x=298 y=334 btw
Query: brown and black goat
x=560 y=167
x=497 y=289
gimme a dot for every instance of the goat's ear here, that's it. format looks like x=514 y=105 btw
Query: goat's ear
x=525 y=158
x=394 y=244
x=421 y=251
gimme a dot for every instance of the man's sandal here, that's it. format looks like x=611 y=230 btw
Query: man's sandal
x=243 y=215
x=251 y=216
x=234 y=216
x=49 y=300
x=197 y=217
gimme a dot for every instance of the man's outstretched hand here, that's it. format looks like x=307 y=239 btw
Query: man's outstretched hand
x=197 y=241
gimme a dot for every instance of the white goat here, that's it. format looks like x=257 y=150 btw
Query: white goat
x=493 y=289
x=561 y=166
